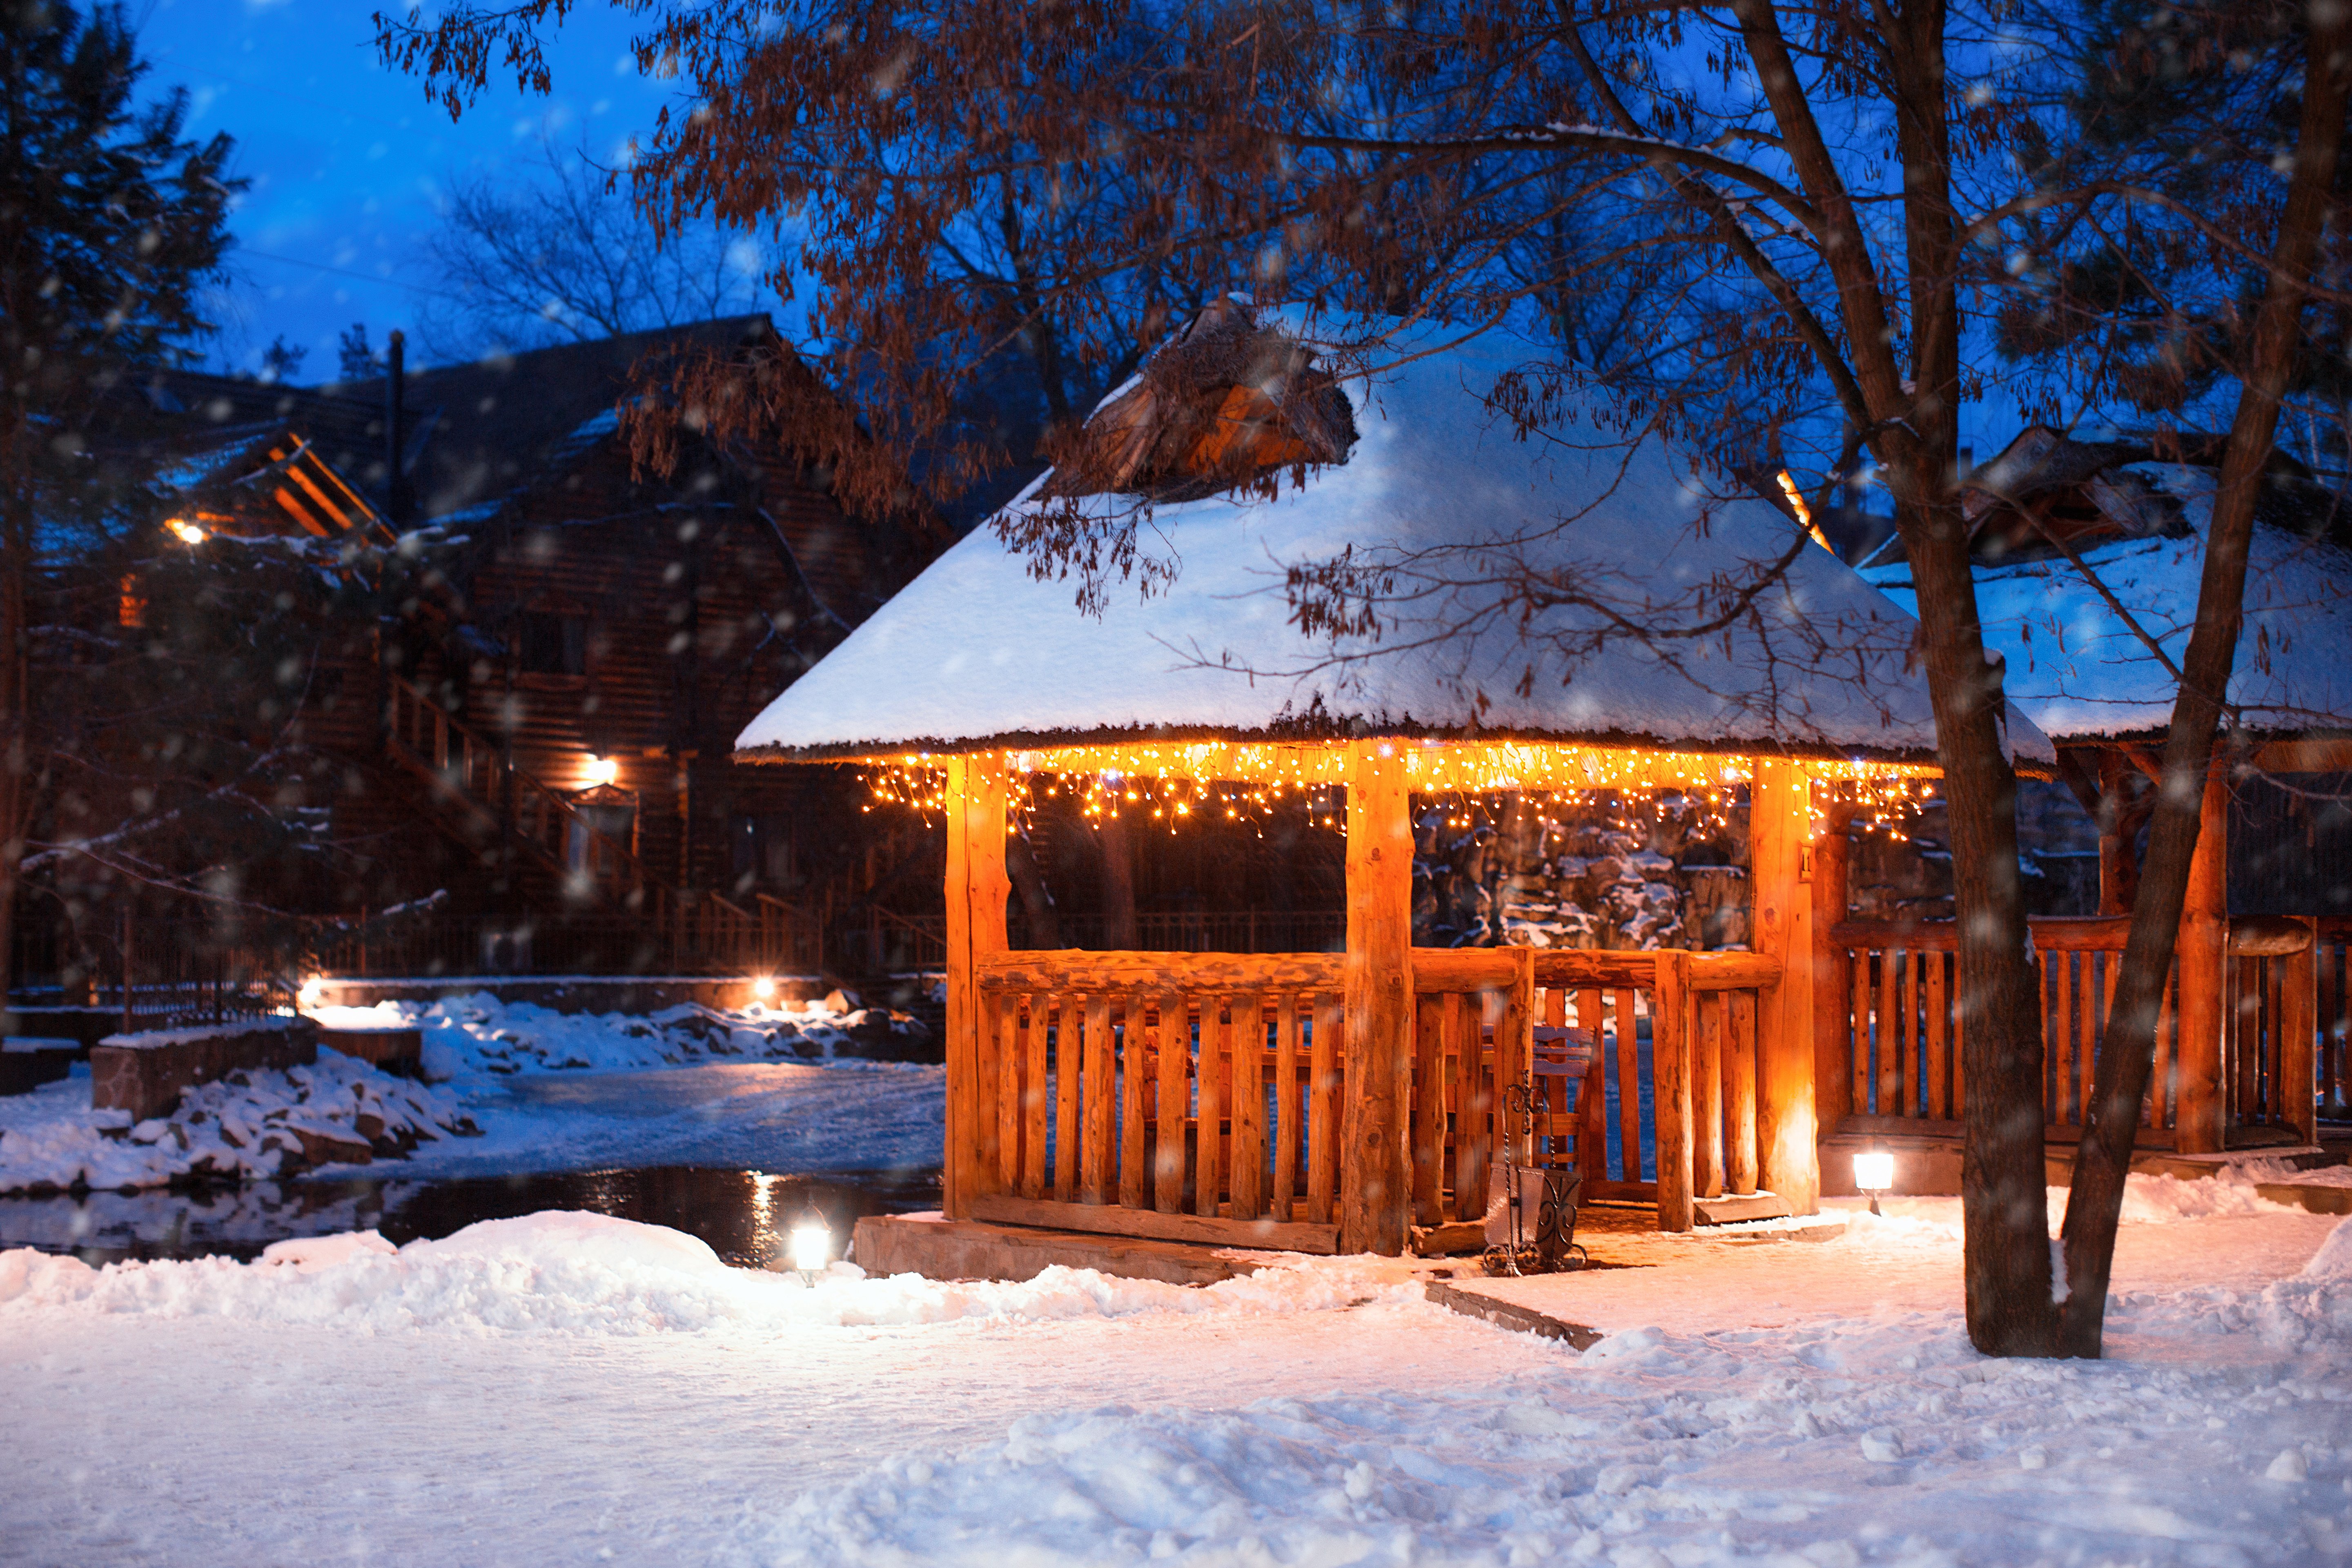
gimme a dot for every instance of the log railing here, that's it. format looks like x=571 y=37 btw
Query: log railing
x=1197 y=1096
x=1191 y=1097
x=2270 y=1043
x=1900 y=1026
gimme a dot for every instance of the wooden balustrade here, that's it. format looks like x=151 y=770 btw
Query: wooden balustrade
x=1900 y=1029
x=1195 y=1096
x=1191 y=1097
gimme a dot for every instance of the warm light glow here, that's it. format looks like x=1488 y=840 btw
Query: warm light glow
x=764 y=989
x=811 y=1246
x=603 y=770
x=188 y=531
x=314 y=990
x=1804 y=513
x=1874 y=1171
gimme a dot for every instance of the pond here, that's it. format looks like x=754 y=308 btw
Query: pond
x=743 y=1215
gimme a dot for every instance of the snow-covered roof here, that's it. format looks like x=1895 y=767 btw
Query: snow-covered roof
x=2078 y=671
x=979 y=652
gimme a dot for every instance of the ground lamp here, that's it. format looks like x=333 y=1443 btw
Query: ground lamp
x=763 y=988
x=1874 y=1173
x=811 y=1244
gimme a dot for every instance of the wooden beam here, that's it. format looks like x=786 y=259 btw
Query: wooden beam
x=2321 y=756
x=1273 y=1236
x=1077 y=970
x=977 y=885
x=1779 y=821
x=2203 y=949
x=1375 y=1180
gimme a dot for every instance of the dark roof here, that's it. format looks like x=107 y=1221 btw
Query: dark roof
x=484 y=430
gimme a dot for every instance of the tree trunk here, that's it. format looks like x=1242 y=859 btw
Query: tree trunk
x=2007 y=1262
x=2127 y=1050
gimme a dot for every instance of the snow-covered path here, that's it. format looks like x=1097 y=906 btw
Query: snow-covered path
x=582 y=1390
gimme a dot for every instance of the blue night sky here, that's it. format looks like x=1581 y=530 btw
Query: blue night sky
x=347 y=159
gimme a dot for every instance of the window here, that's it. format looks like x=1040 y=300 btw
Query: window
x=550 y=643
x=762 y=850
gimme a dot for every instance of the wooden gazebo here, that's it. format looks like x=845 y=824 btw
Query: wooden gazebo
x=2085 y=553
x=1348 y=1101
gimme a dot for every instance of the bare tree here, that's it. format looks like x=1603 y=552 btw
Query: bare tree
x=563 y=255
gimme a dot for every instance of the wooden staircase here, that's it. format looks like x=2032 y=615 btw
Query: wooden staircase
x=476 y=796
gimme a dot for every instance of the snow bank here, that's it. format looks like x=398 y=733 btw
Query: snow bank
x=481 y=1034
x=255 y=1122
x=563 y=1272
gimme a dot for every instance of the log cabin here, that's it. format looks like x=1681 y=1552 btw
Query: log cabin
x=2087 y=559
x=1351 y=1100
x=539 y=741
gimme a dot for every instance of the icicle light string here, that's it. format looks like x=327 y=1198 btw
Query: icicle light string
x=1173 y=784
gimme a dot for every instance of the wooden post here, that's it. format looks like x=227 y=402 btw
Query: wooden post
x=2203 y=949
x=1670 y=1053
x=1778 y=823
x=1375 y=1179
x=976 y=888
x=2299 y=1033
x=1833 y=973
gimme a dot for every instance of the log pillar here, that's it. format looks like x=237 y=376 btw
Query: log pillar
x=2203 y=949
x=1780 y=824
x=1375 y=1176
x=977 y=885
x=1832 y=972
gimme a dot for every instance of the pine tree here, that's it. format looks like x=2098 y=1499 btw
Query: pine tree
x=111 y=223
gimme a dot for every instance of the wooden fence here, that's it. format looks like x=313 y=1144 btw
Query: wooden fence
x=1899 y=1027
x=1197 y=1096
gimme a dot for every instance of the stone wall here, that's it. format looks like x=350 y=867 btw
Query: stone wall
x=145 y=1074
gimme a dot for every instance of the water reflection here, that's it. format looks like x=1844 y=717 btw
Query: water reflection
x=743 y=1215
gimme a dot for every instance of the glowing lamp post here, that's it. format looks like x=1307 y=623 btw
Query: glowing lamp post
x=187 y=532
x=1874 y=1173
x=811 y=1244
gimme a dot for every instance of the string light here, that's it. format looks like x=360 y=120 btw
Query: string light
x=1171 y=784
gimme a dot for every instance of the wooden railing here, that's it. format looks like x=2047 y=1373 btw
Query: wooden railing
x=2270 y=1045
x=1901 y=1026
x=1174 y=1095
x=471 y=781
x=1196 y=1096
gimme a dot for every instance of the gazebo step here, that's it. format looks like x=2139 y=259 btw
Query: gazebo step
x=941 y=1248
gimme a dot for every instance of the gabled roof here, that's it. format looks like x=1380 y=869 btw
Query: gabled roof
x=977 y=652
x=2080 y=673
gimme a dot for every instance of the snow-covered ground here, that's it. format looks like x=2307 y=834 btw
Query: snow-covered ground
x=764 y=1089
x=573 y=1389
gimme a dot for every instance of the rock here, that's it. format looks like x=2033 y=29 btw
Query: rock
x=2290 y=1466
x=1883 y=1446
x=323 y=1149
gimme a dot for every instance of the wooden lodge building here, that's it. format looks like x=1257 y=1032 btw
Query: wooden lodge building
x=1353 y=1100
x=541 y=735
